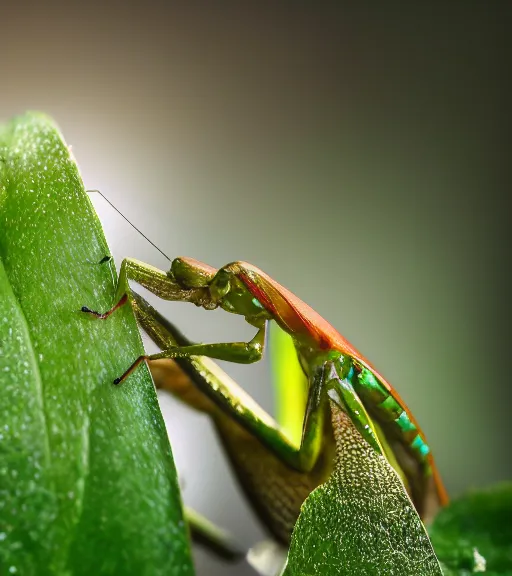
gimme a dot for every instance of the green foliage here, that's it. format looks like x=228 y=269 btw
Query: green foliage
x=289 y=383
x=87 y=481
x=360 y=521
x=475 y=527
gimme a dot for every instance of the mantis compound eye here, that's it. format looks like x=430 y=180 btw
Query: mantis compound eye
x=191 y=273
x=220 y=285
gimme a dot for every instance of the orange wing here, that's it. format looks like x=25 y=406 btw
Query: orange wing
x=303 y=323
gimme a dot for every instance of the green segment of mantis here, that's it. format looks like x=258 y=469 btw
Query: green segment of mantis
x=276 y=472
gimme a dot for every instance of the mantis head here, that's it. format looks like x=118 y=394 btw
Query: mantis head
x=223 y=287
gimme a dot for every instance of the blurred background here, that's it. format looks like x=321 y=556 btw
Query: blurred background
x=354 y=154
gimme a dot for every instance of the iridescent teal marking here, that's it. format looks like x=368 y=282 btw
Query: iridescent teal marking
x=371 y=388
x=388 y=410
x=405 y=423
x=345 y=369
x=368 y=379
x=257 y=303
x=391 y=407
x=418 y=445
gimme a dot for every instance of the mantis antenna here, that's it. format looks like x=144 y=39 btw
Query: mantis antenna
x=130 y=223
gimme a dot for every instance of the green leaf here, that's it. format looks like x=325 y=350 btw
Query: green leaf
x=476 y=526
x=361 y=521
x=288 y=382
x=87 y=481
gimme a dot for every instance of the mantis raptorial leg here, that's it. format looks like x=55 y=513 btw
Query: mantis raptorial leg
x=228 y=396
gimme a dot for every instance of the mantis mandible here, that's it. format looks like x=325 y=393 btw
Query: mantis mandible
x=276 y=473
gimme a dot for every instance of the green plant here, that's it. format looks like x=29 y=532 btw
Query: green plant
x=87 y=481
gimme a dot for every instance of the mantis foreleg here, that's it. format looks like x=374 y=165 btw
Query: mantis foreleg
x=229 y=398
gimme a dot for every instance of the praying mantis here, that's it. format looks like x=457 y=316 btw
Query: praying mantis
x=276 y=473
x=113 y=497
